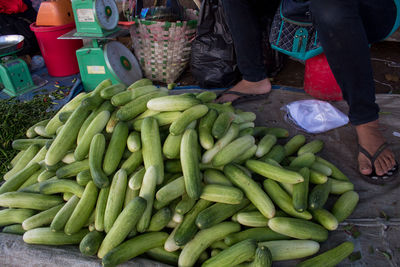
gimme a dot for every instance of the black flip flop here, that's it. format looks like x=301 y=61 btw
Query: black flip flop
x=373 y=178
x=243 y=97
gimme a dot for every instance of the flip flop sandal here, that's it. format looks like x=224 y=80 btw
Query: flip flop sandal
x=243 y=97
x=373 y=178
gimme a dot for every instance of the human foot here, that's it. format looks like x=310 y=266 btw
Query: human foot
x=245 y=87
x=371 y=140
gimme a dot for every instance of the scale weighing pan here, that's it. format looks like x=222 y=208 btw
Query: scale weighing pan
x=10 y=44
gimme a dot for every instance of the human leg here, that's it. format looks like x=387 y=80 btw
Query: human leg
x=345 y=29
x=244 y=21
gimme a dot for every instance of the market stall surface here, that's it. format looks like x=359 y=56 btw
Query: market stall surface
x=374 y=226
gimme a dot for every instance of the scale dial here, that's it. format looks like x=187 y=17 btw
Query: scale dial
x=106 y=12
x=122 y=63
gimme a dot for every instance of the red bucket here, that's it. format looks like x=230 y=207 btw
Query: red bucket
x=59 y=55
x=319 y=81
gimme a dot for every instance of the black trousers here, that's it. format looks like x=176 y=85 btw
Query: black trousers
x=345 y=29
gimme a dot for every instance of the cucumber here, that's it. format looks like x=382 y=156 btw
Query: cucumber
x=276 y=153
x=219 y=245
x=203 y=239
x=115 y=200
x=96 y=126
x=273 y=172
x=283 y=200
x=331 y=257
x=325 y=218
x=132 y=162
x=265 y=145
x=46 y=175
x=45 y=236
x=30 y=133
x=246 y=125
x=212 y=176
x=300 y=191
x=151 y=147
x=222 y=194
x=160 y=220
x=17 y=179
x=336 y=173
x=345 y=205
x=138 y=105
x=314 y=147
x=91 y=243
x=252 y=219
x=258 y=234
x=205 y=137
x=172 y=103
x=290 y=249
x=190 y=164
x=63 y=117
x=67 y=136
x=278 y=132
x=134 y=247
x=262 y=257
x=161 y=255
x=170 y=244
x=233 y=150
x=225 y=107
x=133 y=142
x=251 y=189
x=62 y=216
x=115 y=148
x=340 y=187
x=41 y=131
x=12 y=216
x=222 y=124
x=82 y=210
x=294 y=144
x=185 y=205
x=33 y=179
x=172 y=190
x=236 y=254
x=110 y=91
x=147 y=191
x=123 y=225
x=84 y=177
x=135 y=181
x=230 y=135
x=96 y=151
x=23 y=144
x=130 y=195
x=61 y=186
x=317 y=177
x=218 y=213
x=304 y=160
x=112 y=122
x=321 y=168
x=15 y=229
x=246 y=155
x=206 y=96
x=101 y=208
x=26 y=157
x=171 y=147
x=189 y=115
x=140 y=83
x=16 y=159
x=187 y=229
x=298 y=228
x=41 y=219
x=131 y=94
x=33 y=201
x=67 y=196
x=163 y=119
x=319 y=195
x=69 y=158
x=246 y=131
x=72 y=169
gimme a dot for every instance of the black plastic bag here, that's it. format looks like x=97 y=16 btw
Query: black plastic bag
x=213 y=59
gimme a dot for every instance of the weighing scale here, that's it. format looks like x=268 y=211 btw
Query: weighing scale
x=14 y=73
x=101 y=58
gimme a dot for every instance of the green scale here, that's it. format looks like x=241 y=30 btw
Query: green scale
x=15 y=77
x=101 y=58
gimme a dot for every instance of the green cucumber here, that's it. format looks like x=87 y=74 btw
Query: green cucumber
x=140 y=83
x=294 y=144
x=212 y=176
x=72 y=169
x=273 y=172
x=45 y=236
x=262 y=257
x=314 y=147
x=251 y=189
x=61 y=186
x=15 y=229
x=205 y=137
x=298 y=228
x=189 y=115
x=132 y=162
x=41 y=219
x=30 y=133
x=171 y=147
x=325 y=218
x=163 y=119
x=134 y=247
x=115 y=148
x=11 y=216
x=222 y=124
x=225 y=107
x=96 y=151
x=321 y=168
x=91 y=243
x=252 y=219
x=291 y=249
x=101 y=208
x=185 y=205
x=25 y=158
x=190 y=163
x=336 y=173
x=319 y=195
x=29 y=200
x=82 y=210
x=222 y=194
x=233 y=150
x=110 y=91
x=283 y=200
x=62 y=216
x=304 y=160
x=135 y=181
x=265 y=145
x=130 y=195
x=345 y=205
x=340 y=187
x=276 y=153
x=206 y=96
x=84 y=177
x=151 y=147
x=133 y=142
x=123 y=225
x=147 y=191
x=16 y=180
x=161 y=255
x=160 y=220
x=45 y=175
x=261 y=234
x=246 y=155
x=33 y=179
x=112 y=122
x=23 y=144
x=278 y=132
x=300 y=191
x=172 y=103
x=317 y=177
x=115 y=200
x=203 y=239
x=172 y=190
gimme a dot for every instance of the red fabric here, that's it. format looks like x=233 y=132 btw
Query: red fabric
x=12 y=6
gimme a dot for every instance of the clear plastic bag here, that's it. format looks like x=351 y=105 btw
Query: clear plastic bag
x=314 y=116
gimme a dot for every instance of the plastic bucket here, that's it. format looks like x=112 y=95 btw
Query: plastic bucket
x=319 y=81
x=59 y=55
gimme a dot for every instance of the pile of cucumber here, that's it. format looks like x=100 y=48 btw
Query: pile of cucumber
x=123 y=172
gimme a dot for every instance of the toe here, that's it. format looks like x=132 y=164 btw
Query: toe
x=379 y=167
x=364 y=166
